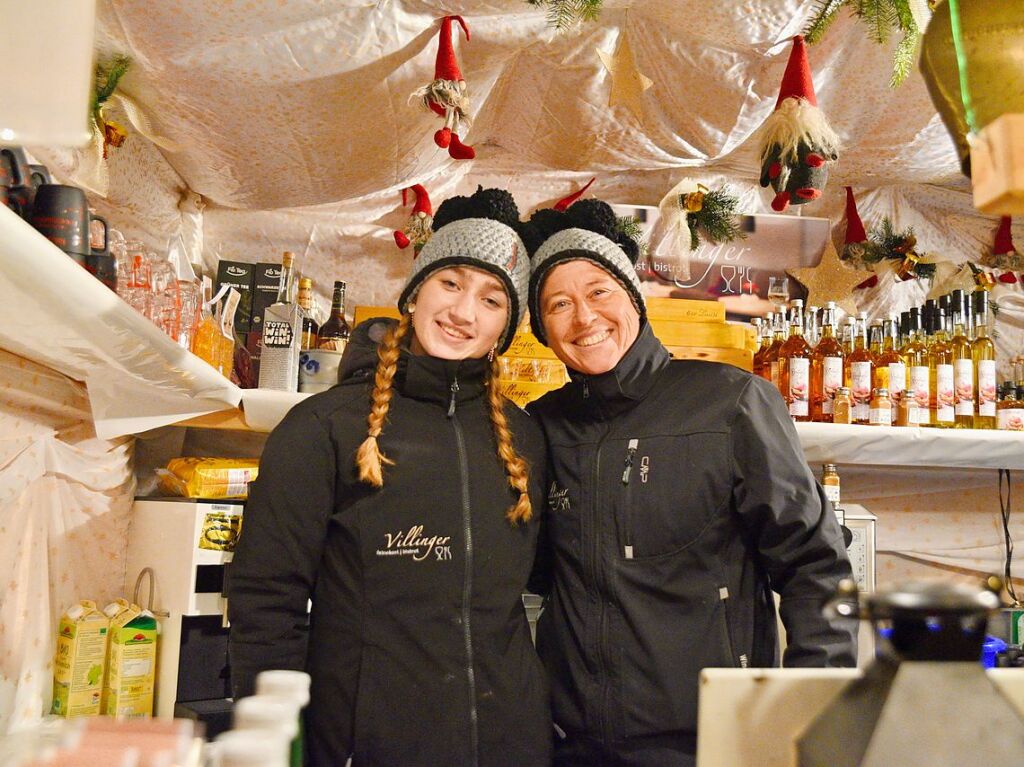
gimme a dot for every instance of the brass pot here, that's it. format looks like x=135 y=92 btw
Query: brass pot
x=992 y=32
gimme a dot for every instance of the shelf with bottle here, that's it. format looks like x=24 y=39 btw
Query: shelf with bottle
x=936 y=362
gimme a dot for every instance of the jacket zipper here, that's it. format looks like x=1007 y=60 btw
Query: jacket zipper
x=627 y=521
x=467 y=583
x=741 y=660
x=604 y=723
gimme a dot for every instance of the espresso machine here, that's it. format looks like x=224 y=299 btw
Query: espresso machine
x=185 y=545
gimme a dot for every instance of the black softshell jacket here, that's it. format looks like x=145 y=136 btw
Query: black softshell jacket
x=680 y=498
x=417 y=643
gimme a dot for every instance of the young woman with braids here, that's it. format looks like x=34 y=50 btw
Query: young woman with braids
x=403 y=503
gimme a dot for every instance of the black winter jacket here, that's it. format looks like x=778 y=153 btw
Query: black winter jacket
x=417 y=643
x=680 y=499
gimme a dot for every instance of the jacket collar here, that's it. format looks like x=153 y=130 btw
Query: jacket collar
x=630 y=380
x=423 y=377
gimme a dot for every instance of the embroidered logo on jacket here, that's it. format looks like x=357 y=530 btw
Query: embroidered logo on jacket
x=413 y=543
x=558 y=500
x=645 y=468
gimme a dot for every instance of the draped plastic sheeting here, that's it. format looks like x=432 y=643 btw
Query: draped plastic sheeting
x=292 y=122
x=64 y=502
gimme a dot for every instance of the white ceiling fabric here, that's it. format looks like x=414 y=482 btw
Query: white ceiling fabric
x=292 y=121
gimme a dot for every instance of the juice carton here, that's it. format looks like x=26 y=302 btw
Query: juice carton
x=132 y=667
x=80 y=660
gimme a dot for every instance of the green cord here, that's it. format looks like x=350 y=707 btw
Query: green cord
x=961 y=61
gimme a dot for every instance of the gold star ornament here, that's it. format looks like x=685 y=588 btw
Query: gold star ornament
x=830 y=280
x=628 y=84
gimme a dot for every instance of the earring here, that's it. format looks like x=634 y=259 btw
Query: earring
x=490 y=354
x=411 y=308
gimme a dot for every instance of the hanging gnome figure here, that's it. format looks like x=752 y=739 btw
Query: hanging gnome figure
x=856 y=243
x=417 y=231
x=797 y=142
x=1004 y=255
x=446 y=94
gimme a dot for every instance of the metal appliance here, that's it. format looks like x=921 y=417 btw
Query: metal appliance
x=187 y=544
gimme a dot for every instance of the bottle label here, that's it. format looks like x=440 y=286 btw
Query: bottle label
x=944 y=398
x=920 y=394
x=987 y=387
x=963 y=386
x=860 y=389
x=831 y=380
x=897 y=379
x=1011 y=419
x=799 y=385
x=880 y=416
x=832 y=493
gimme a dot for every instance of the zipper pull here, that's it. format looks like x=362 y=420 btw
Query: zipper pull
x=630 y=452
x=451 y=402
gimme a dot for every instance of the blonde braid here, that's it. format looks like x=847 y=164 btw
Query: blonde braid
x=369 y=457
x=515 y=465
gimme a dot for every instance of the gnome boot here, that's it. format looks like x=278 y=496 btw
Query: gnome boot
x=460 y=151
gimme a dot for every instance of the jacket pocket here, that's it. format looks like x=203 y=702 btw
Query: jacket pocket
x=668 y=488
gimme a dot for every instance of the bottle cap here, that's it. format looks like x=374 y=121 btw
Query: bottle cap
x=290 y=684
x=305 y=282
x=267 y=712
x=881 y=391
x=829 y=468
x=248 y=748
x=844 y=390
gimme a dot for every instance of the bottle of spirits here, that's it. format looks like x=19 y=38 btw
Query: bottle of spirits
x=890 y=360
x=859 y=372
x=940 y=371
x=826 y=368
x=310 y=327
x=335 y=332
x=811 y=327
x=771 y=355
x=282 y=334
x=915 y=358
x=963 y=364
x=795 y=366
x=758 y=324
x=983 y=351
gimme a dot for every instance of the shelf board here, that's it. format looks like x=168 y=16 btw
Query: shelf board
x=911 y=446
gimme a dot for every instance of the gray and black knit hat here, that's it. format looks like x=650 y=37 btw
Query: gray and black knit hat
x=477 y=231
x=591 y=227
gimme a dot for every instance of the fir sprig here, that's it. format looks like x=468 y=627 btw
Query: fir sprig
x=107 y=79
x=716 y=219
x=888 y=244
x=882 y=18
x=632 y=228
x=563 y=14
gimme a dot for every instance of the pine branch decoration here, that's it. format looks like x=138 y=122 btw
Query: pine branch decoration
x=881 y=18
x=564 y=14
x=107 y=78
x=632 y=228
x=715 y=217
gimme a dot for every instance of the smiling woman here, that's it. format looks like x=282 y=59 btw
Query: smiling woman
x=460 y=313
x=589 y=319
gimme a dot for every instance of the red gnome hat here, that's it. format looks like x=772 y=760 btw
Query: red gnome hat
x=855 y=235
x=796 y=82
x=796 y=140
x=565 y=202
x=417 y=230
x=446 y=94
x=1003 y=246
x=854 y=226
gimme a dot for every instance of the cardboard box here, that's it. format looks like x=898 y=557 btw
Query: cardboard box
x=240 y=276
x=266 y=281
x=719 y=334
x=132 y=665
x=684 y=310
x=78 y=666
x=997 y=166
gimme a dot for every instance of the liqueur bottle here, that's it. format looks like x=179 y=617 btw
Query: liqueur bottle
x=282 y=334
x=771 y=356
x=915 y=358
x=940 y=371
x=795 y=366
x=335 y=332
x=983 y=350
x=310 y=327
x=826 y=368
x=859 y=372
x=889 y=359
x=963 y=364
